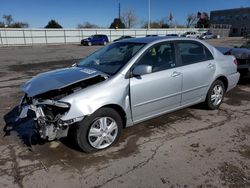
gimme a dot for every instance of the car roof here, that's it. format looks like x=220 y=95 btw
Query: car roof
x=148 y=40
x=152 y=40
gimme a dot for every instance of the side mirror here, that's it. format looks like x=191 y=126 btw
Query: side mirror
x=141 y=70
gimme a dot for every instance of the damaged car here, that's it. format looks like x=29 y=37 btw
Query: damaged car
x=125 y=83
x=242 y=55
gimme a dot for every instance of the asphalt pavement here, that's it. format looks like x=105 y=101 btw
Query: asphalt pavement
x=193 y=147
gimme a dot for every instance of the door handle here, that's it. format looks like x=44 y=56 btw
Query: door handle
x=175 y=74
x=211 y=65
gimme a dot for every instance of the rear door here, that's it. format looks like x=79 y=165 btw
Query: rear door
x=198 y=69
x=160 y=91
x=96 y=39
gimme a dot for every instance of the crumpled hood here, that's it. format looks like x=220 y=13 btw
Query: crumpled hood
x=57 y=79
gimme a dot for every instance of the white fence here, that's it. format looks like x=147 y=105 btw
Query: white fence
x=18 y=37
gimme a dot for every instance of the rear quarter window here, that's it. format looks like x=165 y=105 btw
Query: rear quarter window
x=193 y=52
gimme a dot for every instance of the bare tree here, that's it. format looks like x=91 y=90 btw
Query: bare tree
x=87 y=25
x=191 y=20
x=8 y=19
x=129 y=18
x=9 y=22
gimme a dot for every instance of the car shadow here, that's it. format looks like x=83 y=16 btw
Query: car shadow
x=244 y=80
x=199 y=106
x=70 y=140
x=25 y=129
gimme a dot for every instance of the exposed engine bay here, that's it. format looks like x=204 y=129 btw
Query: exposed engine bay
x=47 y=109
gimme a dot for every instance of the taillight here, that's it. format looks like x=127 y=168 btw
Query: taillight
x=235 y=62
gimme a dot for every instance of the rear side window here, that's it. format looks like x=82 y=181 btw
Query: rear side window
x=193 y=52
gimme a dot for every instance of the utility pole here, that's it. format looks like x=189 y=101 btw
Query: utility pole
x=119 y=11
x=149 y=14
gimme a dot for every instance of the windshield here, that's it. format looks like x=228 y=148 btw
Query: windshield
x=111 y=58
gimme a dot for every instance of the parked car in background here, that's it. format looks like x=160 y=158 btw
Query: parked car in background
x=172 y=35
x=125 y=83
x=242 y=56
x=191 y=34
x=246 y=45
x=151 y=35
x=208 y=35
x=123 y=37
x=95 y=40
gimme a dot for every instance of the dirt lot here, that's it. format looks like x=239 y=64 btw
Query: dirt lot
x=189 y=148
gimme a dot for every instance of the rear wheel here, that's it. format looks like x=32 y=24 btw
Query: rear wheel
x=104 y=43
x=89 y=44
x=215 y=95
x=99 y=130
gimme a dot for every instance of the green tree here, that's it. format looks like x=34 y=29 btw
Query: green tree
x=19 y=25
x=1 y=24
x=117 y=24
x=53 y=24
x=87 y=25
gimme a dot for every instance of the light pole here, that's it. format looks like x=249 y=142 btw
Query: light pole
x=149 y=14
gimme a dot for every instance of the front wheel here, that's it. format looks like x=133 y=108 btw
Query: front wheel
x=215 y=95
x=99 y=130
x=89 y=44
x=104 y=43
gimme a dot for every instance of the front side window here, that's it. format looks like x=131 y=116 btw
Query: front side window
x=192 y=52
x=160 y=57
x=111 y=58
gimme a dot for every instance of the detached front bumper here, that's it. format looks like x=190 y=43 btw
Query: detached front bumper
x=47 y=114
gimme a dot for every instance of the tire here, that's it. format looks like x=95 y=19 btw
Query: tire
x=215 y=95
x=89 y=44
x=102 y=136
x=104 y=43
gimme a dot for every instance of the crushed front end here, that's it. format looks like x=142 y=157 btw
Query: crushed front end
x=47 y=114
x=43 y=96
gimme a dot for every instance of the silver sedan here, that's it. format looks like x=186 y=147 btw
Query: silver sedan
x=125 y=83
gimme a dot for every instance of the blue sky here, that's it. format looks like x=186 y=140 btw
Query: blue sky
x=69 y=13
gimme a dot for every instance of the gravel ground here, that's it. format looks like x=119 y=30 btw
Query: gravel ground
x=192 y=147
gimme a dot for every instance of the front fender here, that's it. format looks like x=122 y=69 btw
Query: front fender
x=87 y=101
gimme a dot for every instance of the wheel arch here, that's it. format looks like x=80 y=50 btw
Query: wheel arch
x=224 y=81
x=120 y=111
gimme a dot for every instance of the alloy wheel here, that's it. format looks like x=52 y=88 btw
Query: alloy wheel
x=217 y=95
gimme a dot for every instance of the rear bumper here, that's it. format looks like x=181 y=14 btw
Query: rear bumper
x=233 y=80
